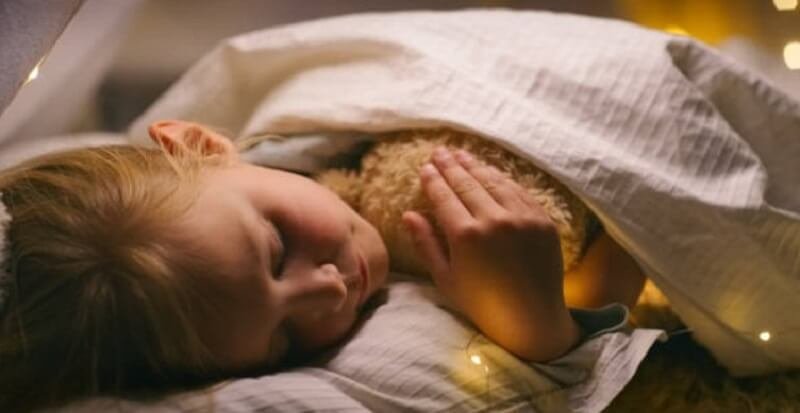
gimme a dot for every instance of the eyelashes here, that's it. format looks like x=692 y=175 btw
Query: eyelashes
x=278 y=251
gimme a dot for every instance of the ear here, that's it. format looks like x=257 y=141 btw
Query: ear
x=173 y=133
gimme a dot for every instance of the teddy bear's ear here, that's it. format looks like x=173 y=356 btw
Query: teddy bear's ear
x=345 y=183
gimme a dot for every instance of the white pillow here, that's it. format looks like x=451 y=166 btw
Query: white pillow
x=412 y=355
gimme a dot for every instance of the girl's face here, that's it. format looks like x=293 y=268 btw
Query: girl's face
x=298 y=264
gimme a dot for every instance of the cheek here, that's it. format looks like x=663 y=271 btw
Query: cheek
x=317 y=230
x=235 y=336
x=313 y=336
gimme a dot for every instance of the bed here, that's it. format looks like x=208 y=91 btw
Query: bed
x=641 y=125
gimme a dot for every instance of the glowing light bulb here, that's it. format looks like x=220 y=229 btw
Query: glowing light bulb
x=475 y=359
x=785 y=5
x=764 y=336
x=791 y=55
x=33 y=74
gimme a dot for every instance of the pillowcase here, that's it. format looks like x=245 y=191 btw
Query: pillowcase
x=410 y=354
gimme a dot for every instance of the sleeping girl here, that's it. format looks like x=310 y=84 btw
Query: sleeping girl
x=130 y=269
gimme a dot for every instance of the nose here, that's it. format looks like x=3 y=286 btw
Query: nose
x=321 y=291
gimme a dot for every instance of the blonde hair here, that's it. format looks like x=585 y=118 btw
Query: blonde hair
x=98 y=303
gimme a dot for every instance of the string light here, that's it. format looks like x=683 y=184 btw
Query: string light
x=475 y=359
x=785 y=5
x=791 y=55
x=34 y=73
x=764 y=336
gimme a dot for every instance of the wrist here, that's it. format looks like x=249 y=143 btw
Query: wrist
x=558 y=337
x=546 y=333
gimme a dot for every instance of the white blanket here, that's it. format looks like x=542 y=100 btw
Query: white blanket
x=691 y=162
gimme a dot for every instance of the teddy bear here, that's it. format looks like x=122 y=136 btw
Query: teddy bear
x=387 y=184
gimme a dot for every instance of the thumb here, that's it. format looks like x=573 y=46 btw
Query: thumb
x=427 y=244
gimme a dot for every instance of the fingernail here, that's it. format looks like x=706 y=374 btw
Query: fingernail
x=463 y=155
x=428 y=170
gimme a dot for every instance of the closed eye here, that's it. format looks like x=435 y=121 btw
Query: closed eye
x=277 y=251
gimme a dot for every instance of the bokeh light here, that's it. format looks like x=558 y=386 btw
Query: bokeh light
x=791 y=55
x=785 y=5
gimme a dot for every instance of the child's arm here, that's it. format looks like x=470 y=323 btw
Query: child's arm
x=501 y=266
x=606 y=274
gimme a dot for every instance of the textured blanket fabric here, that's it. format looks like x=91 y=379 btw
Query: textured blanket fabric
x=689 y=160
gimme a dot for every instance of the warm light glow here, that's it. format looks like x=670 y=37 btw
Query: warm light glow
x=33 y=74
x=785 y=5
x=765 y=336
x=712 y=21
x=791 y=55
x=675 y=29
x=475 y=359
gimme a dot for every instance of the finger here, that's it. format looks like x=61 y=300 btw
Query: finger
x=500 y=187
x=449 y=211
x=468 y=190
x=432 y=252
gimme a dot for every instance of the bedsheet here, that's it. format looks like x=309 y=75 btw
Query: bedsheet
x=690 y=160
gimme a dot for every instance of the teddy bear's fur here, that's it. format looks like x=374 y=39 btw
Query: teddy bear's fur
x=676 y=376
x=388 y=184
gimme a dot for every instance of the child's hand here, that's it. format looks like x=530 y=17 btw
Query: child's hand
x=502 y=263
x=498 y=237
